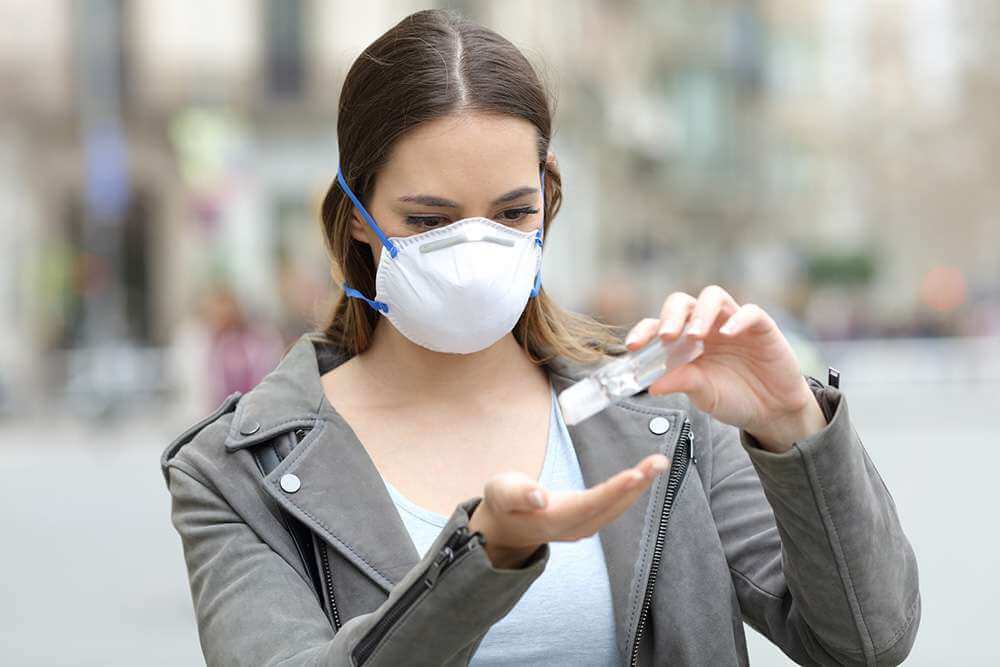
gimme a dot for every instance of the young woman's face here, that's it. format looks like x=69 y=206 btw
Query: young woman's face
x=470 y=165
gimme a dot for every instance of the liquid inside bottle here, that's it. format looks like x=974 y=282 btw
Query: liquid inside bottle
x=627 y=376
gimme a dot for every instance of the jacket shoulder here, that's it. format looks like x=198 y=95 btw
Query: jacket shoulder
x=190 y=433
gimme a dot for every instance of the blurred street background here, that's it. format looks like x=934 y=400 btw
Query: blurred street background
x=161 y=168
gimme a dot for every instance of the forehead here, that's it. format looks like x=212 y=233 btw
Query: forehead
x=470 y=152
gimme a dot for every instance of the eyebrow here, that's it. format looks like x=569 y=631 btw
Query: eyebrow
x=441 y=202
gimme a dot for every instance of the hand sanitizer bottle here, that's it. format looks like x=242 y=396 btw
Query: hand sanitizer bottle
x=626 y=376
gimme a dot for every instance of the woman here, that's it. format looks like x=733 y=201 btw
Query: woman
x=451 y=515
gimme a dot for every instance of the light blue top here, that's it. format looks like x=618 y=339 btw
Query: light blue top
x=565 y=617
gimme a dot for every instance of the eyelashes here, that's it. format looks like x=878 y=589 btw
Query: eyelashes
x=435 y=221
x=521 y=213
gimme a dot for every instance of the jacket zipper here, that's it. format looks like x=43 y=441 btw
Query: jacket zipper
x=328 y=579
x=683 y=454
x=458 y=545
x=300 y=434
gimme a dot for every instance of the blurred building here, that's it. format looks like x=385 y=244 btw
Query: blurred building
x=219 y=143
x=885 y=145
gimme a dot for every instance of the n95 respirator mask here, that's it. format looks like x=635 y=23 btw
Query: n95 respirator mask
x=457 y=288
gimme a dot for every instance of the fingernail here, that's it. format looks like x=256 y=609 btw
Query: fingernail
x=536 y=499
x=659 y=465
x=694 y=328
x=633 y=479
x=631 y=338
x=667 y=328
x=728 y=327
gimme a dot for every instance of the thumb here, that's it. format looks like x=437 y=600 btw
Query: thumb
x=514 y=491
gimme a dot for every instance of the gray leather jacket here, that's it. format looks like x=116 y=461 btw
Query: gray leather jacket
x=804 y=546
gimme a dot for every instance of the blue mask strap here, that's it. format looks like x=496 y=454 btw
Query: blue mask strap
x=368 y=218
x=538 y=240
x=380 y=306
x=538 y=284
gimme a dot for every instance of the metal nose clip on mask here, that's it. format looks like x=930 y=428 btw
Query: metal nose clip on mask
x=457 y=288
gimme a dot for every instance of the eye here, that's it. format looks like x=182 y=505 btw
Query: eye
x=516 y=214
x=426 y=221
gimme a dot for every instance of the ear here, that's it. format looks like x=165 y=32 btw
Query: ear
x=359 y=228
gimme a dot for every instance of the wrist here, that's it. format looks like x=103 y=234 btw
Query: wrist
x=780 y=434
x=500 y=556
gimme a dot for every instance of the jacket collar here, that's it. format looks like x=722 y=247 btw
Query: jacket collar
x=289 y=397
x=330 y=459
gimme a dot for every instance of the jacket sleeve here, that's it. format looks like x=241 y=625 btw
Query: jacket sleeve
x=253 y=608
x=817 y=555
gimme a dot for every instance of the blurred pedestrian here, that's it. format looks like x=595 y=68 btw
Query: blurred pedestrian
x=241 y=350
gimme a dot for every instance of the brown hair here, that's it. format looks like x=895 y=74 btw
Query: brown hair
x=432 y=64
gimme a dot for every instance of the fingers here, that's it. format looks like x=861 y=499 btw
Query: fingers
x=680 y=309
x=568 y=515
x=712 y=302
x=674 y=314
x=514 y=491
x=612 y=511
x=575 y=509
x=749 y=316
x=641 y=333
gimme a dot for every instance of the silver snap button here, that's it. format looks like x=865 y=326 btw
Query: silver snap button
x=659 y=425
x=290 y=483
x=249 y=428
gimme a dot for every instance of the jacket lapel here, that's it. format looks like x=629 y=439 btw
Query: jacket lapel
x=340 y=489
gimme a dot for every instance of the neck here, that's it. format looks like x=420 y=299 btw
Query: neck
x=407 y=373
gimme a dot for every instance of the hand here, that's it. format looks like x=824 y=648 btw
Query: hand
x=747 y=376
x=514 y=527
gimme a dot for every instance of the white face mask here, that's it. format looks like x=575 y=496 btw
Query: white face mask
x=457 y=288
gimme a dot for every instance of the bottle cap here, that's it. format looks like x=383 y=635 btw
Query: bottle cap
x=583 y=399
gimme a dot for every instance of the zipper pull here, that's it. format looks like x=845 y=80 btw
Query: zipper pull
x=694 y=459
x=460 y=539
x=445 y=556
x=477 y=539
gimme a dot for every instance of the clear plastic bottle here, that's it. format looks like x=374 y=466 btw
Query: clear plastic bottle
x=626 y=376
